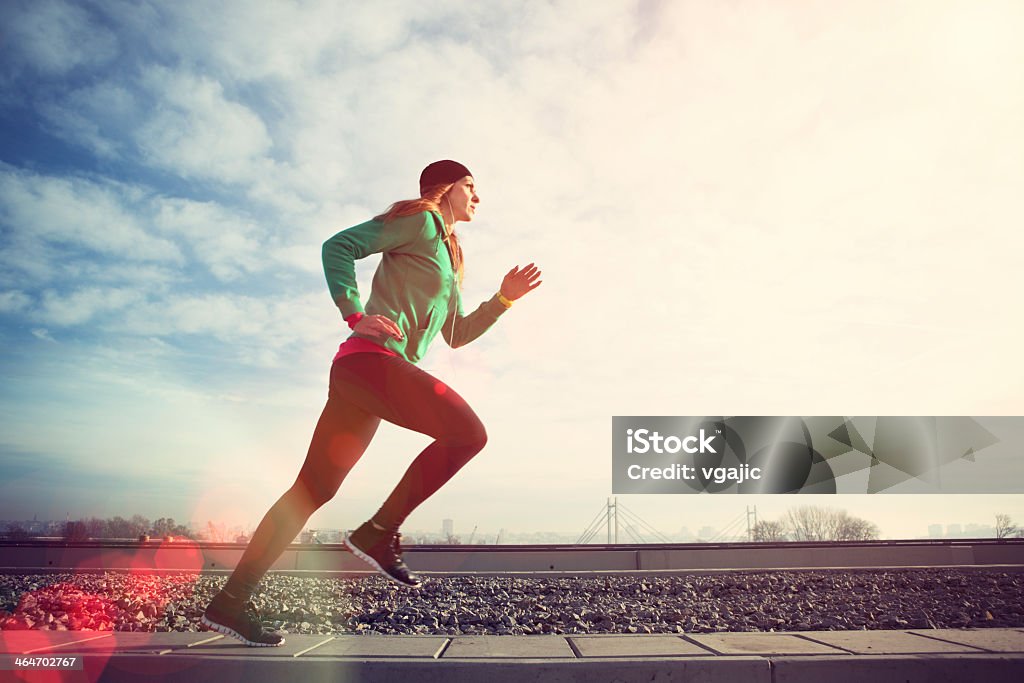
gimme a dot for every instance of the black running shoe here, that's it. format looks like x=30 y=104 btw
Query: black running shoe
x=240 y=621
x=382 y=550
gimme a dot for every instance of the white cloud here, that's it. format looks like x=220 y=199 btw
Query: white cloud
x=78 y=212
x=54 y=37
x=43 y=333
x=247 y=325
x=235 y=38
x=221 y=316
x=72 y=126
x=80 y=306
x=197 y=132
x=95 y=117
x=229 y=244
x=143 y=276
x=14 y=301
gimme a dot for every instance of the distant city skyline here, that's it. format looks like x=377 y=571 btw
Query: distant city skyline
x=977 y=528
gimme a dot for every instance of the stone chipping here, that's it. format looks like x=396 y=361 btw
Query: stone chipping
x=824 y=600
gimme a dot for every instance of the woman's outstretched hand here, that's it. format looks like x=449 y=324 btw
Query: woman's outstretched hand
x=519 y=282
x=377 y=325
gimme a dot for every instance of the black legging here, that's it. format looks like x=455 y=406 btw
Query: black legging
x=364 y=388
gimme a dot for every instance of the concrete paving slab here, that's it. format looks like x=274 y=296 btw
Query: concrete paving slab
x=153 y=668
x=761 y=644
x=131 y=641
x=637 y=646
x=991 y=639
x=27 y=642
x=939 y=668
x=127 y=669
x=207 y=637
x=226 y=646
x=197 y=657
x=531 y=647
x=886 y=642
x=381 y=646
x=145 y=666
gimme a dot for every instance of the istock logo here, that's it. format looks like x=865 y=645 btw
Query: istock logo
x=647 y=441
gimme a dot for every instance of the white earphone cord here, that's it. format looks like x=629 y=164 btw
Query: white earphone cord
x=451 y=253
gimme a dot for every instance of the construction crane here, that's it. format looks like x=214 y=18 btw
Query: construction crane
x=470 y=541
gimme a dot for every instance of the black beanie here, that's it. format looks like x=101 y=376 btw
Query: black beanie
x=442 y=173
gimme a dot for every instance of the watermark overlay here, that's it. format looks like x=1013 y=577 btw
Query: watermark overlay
x=27 y=662
x=887 y=454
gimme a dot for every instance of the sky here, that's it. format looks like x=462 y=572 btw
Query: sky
x=742 y=208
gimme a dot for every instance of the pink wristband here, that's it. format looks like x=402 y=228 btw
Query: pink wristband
x=353 y=320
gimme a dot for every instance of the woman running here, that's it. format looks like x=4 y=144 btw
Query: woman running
x=415 y=295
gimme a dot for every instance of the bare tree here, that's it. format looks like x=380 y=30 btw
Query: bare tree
x=76 y=531
x=166 y=526
x=809 y=523
x=139 y=526
x=1005 y=528
x=96 y=527
x=119 y=527
x=768 y=531
x=847 y=528
x=16 y=532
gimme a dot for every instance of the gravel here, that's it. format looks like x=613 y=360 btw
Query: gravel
x=736 y=601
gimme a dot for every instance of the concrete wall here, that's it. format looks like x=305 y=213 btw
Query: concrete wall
x=186 y=556
x=838 y=556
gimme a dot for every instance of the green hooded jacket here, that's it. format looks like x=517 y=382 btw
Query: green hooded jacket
x=415 y=285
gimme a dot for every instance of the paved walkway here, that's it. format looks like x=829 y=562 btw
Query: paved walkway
x=871 y=656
